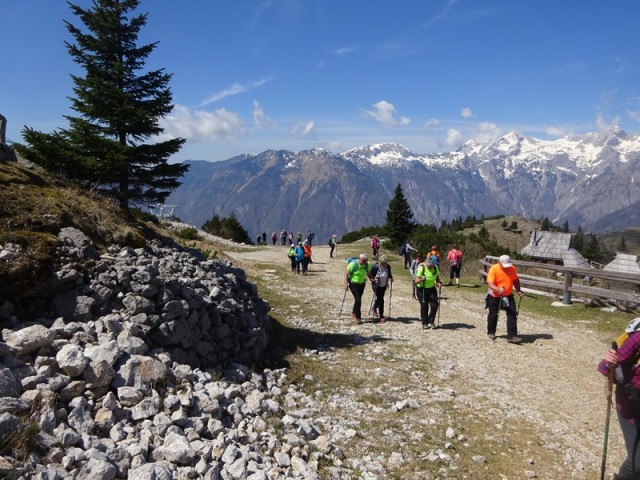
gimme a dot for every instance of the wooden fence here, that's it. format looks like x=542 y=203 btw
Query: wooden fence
x=609 y=285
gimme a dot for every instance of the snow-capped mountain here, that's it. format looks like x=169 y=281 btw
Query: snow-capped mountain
x=586 y=180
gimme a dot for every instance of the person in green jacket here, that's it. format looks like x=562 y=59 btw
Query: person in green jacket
x=427 y=281
x=292 y=257
x=355 y=279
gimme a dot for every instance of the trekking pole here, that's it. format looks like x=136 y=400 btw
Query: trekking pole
x=612 y=373
x=343 y=297
x=390 y=297
x=439 y=296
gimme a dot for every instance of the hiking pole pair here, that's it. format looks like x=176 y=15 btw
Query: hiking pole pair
x=612 y=373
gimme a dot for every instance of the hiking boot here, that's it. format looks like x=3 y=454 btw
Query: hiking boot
x=374 y=312
x=514 y=340
x=491 y=336
x=382 y=319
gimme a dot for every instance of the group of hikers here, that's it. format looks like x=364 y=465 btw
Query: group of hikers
x=425 y=273
x=621 y=363
x=286 y=238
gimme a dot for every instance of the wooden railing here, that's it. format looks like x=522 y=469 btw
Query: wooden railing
x=629 y=283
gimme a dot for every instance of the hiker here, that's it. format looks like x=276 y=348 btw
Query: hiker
x=375 y=246
x=274 y=238
x=290 y=238
x=258 y=239
x=413 y=269
x=310 y=237
x=299 y=256
x=434 y=255
x=381 y=277
x=292 y=257
x=454 y=257
x=299 y=237
x=355 y=279
x=264 y=237
x=427 y=282
x=501 y=280
x=625 y=361
x=283 y=238
x=306 y=256
x=405 y=251
x=332 y=245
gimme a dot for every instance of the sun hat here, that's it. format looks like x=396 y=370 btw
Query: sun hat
x=505 y=260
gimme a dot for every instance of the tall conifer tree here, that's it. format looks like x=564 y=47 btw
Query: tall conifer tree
x=119 y=107
x=399 y=223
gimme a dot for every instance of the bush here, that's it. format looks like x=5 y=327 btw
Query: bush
x=188 y=233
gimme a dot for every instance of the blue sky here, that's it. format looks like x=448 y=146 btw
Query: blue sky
x=296 y=74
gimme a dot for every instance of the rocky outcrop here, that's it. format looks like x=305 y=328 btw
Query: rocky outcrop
x=132 y=364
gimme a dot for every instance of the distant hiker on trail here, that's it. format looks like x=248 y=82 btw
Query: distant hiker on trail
x=501 y=280
x=375 y=246
x=381 y=277
x=332 y=245
x=427 y=279
x=299 y=237
x=264 y=237
x=355 y=279
x=306 y=256
x=283 y=237
x=434 y=255
x=290 y=237
x=292 y=257
x=405 y=251
x=310 y=237
x=258 y=239
x=274 y=238
x=625 y=361
x=454 y=257
x=299 y=256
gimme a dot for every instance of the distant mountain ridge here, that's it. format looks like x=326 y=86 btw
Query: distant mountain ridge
x=587 y=180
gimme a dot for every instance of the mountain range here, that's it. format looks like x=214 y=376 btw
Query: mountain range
x=585 y=180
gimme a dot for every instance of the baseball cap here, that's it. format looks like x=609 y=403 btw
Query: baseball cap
x=505 y=260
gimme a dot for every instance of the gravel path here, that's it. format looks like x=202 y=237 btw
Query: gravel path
x=540 y=404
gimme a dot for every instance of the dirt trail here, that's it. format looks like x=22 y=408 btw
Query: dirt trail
x=547 y=385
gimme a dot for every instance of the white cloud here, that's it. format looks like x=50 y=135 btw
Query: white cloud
x=555 y=131
x=604 y=126
x=385 y=113
x=466 y=112
x=200 y=125
x=344 y=51
x=431 y=123
x=235 y=89
x=304 y=130
x=260 y=119
x=486 y=132
x=454 y=138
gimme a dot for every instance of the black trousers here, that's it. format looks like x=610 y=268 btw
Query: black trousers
x=493 y=304
x=378 y=295
x=357 y=289
x=428 y=298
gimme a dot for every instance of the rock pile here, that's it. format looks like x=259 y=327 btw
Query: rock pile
x=132 y=364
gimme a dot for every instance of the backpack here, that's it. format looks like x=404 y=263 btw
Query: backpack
x=374 y=243
x=403 y=249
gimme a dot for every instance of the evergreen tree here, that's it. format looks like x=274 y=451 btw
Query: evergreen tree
x=592 y=250
x=399 y=223
x=119 y=109
x=565 y=227
x=513 y=225
x=229 y=228
x=622 y=246
x=577 y=242
x=505 y=224
x=546 y=225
